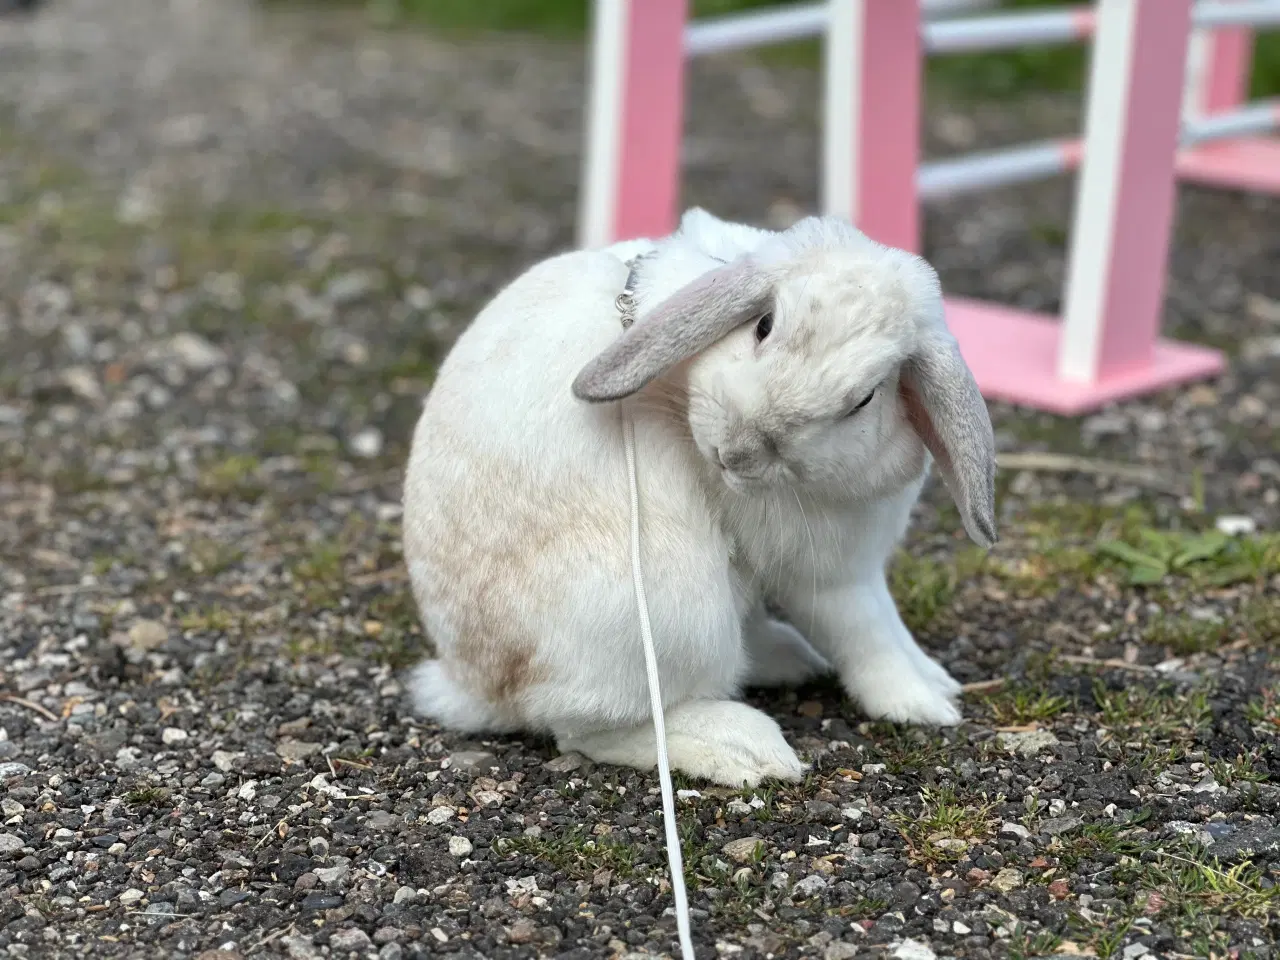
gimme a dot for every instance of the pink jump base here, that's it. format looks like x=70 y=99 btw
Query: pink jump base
x=1250 y=163
x=1013 y=355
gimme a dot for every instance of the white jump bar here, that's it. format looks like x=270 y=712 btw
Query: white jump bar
x=1008 y=30
x=1256 y=13
x=976 y=172
x=1257 y=117
x=1068 y=24
x=940 y=36
x=793 y=22
x=739 y=31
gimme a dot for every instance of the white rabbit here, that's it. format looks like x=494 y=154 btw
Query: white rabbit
x=786 y=407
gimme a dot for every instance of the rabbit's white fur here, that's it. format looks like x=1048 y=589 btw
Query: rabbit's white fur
x=516 y=522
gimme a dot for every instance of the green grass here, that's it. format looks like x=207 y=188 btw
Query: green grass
x=1264 y=712
x=1051 y=67
x=1164 y=715
x=923 y=589
x=577 y=854
x=945 y=827
x=1255 y=622
x=1188 y=887
x=1094 y=841
x=319 y=573
x=1153 y=710
x=551 y=17
x=904 y=749
x=211 y=620
x=1025 y=944
x=209 y=557
x=1149 y=556
x=233 y=478
x=146 y=796
x=1024 y=705
x=1243 y=769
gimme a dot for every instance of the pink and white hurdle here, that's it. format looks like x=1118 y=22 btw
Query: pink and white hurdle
x=1150 y=117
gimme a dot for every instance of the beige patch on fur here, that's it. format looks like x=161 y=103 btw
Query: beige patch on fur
x=494 y=557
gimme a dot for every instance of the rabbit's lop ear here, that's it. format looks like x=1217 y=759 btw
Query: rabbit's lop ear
x=683 y=325
x=947 y=411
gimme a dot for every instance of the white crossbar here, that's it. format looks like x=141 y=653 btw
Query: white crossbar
x=989 y=169
x=976 y=172
x=1106 y=345
x=942 y=36
x=741 y=31
x=1256 y=13
x=1260 y=116
x=1007 y=30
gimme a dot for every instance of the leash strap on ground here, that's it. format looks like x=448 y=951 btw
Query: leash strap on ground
x=675 y=859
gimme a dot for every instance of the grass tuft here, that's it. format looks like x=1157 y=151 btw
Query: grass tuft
x=1025 y=705
x=1163 y=714
x=1187 y=888
x=146 y=796
x=945 y=827
x=233 y=478
x=577 y=853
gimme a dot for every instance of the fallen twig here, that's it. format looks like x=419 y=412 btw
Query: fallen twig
x=1065 y=463
x=24 y=702
x=66 y=589
x=1110 y=664
x=277 y=933
x=350 y=763
x=392 y=575
x=981 y=686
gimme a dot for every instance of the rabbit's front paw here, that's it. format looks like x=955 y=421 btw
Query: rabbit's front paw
x=897 y=689
x=946 y=685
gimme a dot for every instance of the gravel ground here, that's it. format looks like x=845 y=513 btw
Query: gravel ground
x=232 y=248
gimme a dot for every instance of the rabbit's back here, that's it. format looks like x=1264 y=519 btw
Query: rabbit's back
x=517 y=524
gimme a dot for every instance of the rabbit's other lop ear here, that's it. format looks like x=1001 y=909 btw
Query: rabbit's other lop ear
x=947 y=411
x=683 y=325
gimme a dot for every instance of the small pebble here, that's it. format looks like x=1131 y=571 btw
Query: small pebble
x=472 y=761
x=321 y=901
x=1007 y=879
x=352 y=938
x=1236 y=526
x=367 y=443
x=743 y=850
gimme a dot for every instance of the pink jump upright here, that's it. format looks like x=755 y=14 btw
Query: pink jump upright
x=871 y=117
x=1106 y=345
x=1217 y=82
x=631 y=162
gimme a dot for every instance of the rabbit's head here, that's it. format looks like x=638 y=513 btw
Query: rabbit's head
x=820 y=360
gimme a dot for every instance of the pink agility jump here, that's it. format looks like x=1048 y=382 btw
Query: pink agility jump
x=1150 y=115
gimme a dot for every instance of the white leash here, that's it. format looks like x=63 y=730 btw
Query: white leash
x=675 y=860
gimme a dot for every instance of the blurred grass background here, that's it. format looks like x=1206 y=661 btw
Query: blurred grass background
x=999 y=74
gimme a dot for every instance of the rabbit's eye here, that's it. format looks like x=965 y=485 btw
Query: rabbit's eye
x=763 y=326
x=862 y=404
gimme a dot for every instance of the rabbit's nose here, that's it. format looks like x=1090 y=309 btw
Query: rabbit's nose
x=735 y=458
